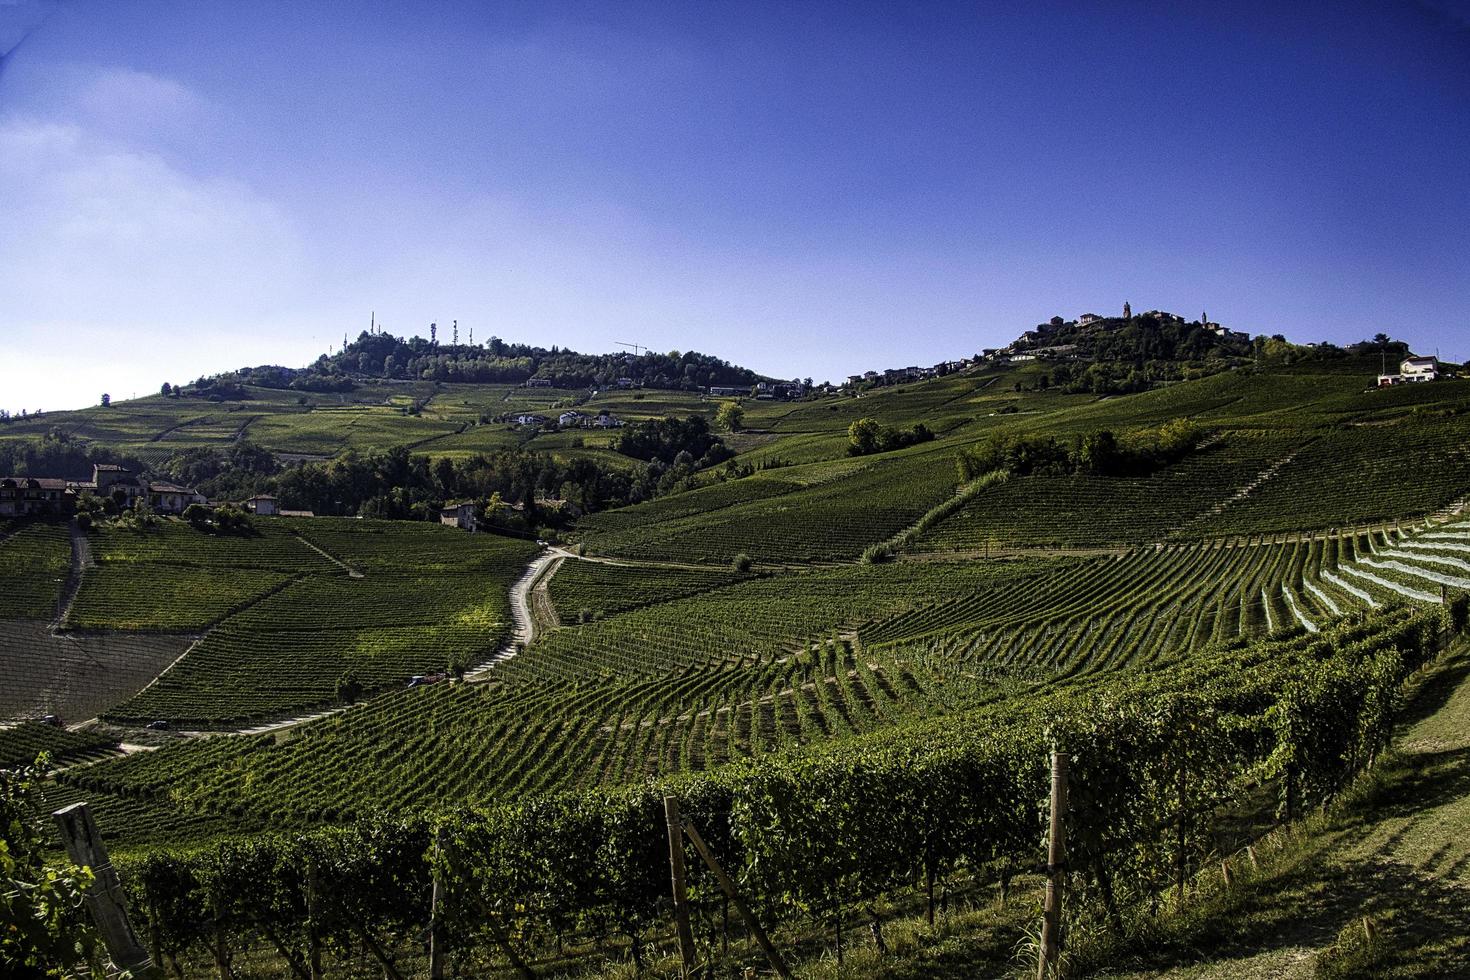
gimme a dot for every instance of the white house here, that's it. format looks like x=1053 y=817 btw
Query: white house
x=530 y=420
x=1412 y=370
x=607 y=422
x=569 y=418
x=1420 y=368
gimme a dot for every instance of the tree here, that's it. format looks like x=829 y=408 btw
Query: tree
x=864 y=435
x=166 y=390
x=740 y=563
x=730 y=416
x=106 y=399
x=349 y=688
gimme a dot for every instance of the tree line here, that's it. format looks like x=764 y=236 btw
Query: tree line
x=382 y=355
x=1097 y=453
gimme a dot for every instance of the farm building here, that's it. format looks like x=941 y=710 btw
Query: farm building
x=25 y=496
x=538 y=383
x=263 y=505
x=169 y=498
x=110 y=480
x=461 y=514
x=530 y=420
x=1419 y=369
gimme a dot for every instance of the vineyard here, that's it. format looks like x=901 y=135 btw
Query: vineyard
x=857 y=716
x=831 y=518
x=77 y=675
x=372 y=601
x=21 y=744
x=34 y=558
x=769 y=665
x=591 y=590
x=1160 y=757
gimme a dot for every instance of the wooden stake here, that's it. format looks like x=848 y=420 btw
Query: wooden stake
x=676 y=874
x=436 y=917
x=313 y=922
x=1226 y=874
x=105 y=898
x=1051 y=923
x=728 y=886
x=1251 y=853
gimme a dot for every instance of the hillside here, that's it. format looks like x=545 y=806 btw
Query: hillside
x=798 y=628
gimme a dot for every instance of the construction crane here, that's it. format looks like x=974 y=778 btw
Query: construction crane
x=638 y=349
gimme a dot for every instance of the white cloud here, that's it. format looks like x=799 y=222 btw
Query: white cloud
x=102 y=239
x=114 y=251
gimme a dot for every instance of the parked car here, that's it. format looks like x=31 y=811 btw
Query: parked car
x=422 y=680
x=51 y=720
x=159 y=726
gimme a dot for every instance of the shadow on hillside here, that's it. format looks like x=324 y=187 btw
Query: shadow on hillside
x=1437 y=691
x=1310 y=900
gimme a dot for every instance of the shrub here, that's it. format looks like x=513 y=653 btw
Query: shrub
x=741 y=562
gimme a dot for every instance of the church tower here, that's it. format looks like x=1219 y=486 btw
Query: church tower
x=1127 y=311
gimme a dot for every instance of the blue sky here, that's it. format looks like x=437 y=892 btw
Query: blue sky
x=809 y=189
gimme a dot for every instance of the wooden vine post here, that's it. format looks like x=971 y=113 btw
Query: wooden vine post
x=728 y=886
x=437 y=932
x=676 y=873
x=1049 y=957
x=105 y=897
x=313 y=921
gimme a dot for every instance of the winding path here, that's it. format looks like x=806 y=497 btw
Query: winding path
x=523 y=623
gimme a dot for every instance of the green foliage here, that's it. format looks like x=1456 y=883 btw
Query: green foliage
x=740 y=563
x=1154 y=755
x=604 y=590
x=289 y=622
x=44 y=930
x=34 y=559
x=868 y=435
x=667 y=439
x=730 y=416
x=1097 y=453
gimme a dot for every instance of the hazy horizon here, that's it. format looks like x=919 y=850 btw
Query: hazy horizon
x=806 y=191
